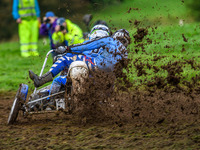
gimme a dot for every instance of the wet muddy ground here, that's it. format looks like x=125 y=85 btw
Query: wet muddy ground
x=134 y=120
x=164 y=113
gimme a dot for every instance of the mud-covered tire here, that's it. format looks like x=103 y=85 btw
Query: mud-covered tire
x=71 y=97
x=14 y=111
x=70 y=105
x=71 y=102
x=17 y=103
x=68 y=96
x=76 y=89
x=78 y=73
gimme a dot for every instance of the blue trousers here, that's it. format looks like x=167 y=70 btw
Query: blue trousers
x=66 y=61
x=60 y=65
x=57 y=83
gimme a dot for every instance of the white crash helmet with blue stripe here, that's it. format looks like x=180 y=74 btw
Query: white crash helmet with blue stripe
x=123 y=36
x=99 y=31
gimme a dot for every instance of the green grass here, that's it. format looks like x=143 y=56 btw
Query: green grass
x=173 y=52
x=163 y=16
x=14 y=68
x=150 y=12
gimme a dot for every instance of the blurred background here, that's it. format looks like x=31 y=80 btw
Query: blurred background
x=71 y=9
x=75 y=9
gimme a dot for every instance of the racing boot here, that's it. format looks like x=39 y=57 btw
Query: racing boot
x=39 y=81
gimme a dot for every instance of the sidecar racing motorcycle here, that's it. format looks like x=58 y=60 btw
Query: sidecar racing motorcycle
x=41 y=102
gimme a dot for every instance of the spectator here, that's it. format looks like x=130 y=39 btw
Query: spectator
x=27 y=15
x=67 y=33
x=48 y=28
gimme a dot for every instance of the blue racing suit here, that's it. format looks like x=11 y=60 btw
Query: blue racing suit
x=103 y=53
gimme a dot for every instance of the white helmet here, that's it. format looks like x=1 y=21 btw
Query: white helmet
x=123 y=36
x=99 y=31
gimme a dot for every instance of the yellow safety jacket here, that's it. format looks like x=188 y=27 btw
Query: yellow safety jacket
x=26 y=9
x=74 y=34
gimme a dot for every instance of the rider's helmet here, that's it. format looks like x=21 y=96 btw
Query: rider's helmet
x=100 y=22
x=123 y=36
x=99 y=31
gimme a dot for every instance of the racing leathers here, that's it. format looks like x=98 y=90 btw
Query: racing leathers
x=102 y=53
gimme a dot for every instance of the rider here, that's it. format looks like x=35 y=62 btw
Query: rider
x=98 y=31
x=104 y=54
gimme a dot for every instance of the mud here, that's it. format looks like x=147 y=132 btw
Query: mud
x=141 y=33
x=162 y=100
x=131 y=119
x=184 y=38
x=114 y=114
x=163 y=113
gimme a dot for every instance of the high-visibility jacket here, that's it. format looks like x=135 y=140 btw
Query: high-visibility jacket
x=74 y=34
x=25 y=9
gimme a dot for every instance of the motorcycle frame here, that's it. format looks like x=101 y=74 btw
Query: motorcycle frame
x=40 y=99
x=44 y=64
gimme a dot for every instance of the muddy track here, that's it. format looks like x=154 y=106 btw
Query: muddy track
x=114 y=114
x=139 y=120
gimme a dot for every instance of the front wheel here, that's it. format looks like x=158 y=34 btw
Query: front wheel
x=17 y=103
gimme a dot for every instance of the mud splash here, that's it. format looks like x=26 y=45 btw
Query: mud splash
x=112 y=98
x=105 y=103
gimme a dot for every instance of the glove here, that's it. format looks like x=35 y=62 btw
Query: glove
x=61 y=49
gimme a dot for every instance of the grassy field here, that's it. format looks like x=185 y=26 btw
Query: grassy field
x=168 y=44
x=161 y=19
x=152 y=119
x=14 y=68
